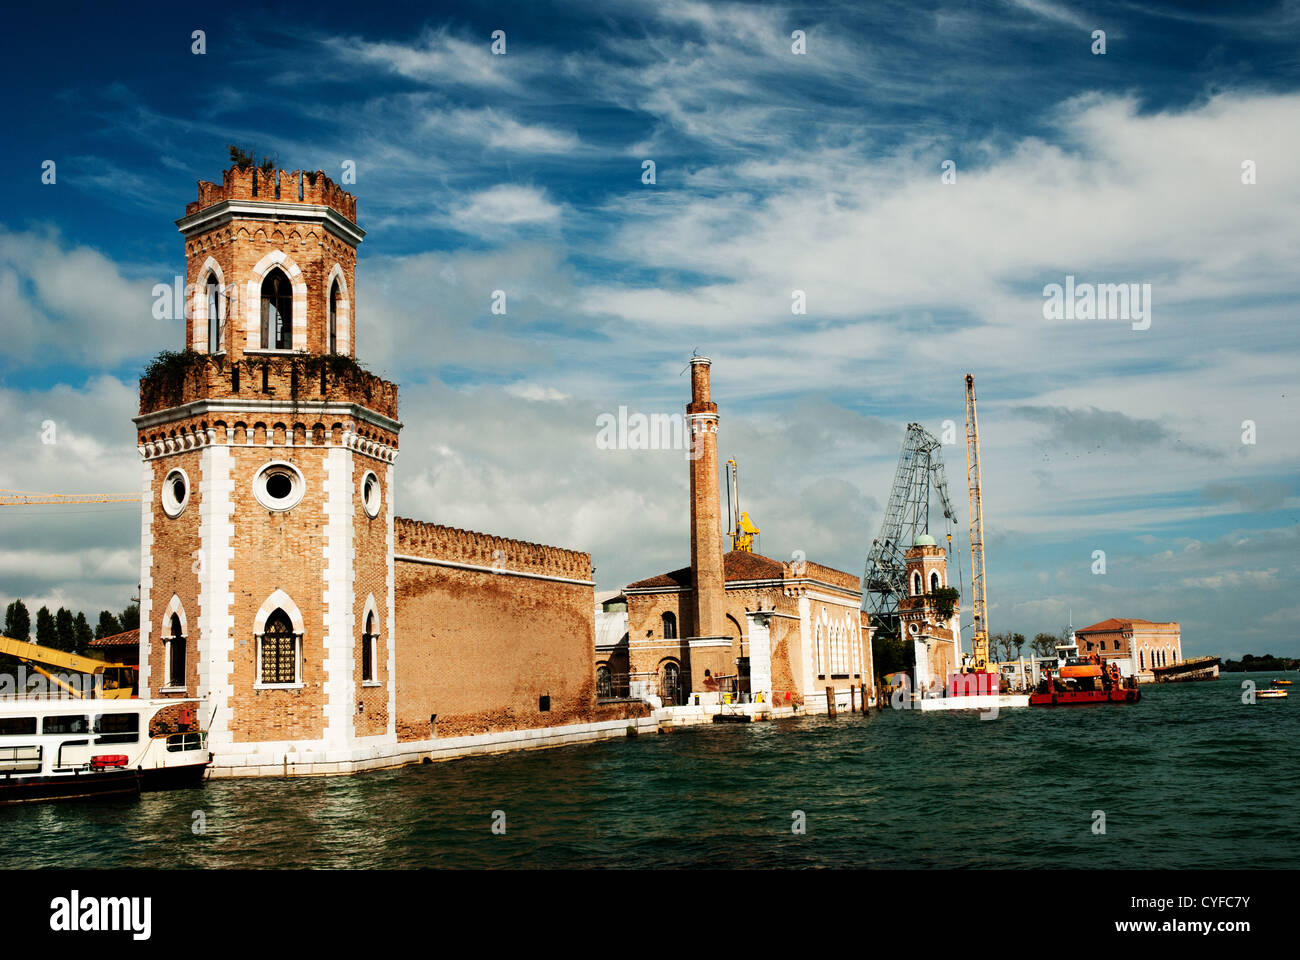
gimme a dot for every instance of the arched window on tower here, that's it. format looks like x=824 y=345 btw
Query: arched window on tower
x=934 y=580
x=368 y=643
x=277 y=312
x=215 y=331
x=670 y=626
x=334 y=317
x=916 y=583
x=278 y=651
x=175 y=651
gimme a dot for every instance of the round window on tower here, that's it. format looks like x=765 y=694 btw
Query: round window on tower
x=371 y=496
x=279 y=486
x=175 y=492
x=913 y=628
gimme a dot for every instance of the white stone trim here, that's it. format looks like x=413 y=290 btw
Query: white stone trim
x=316 y=758
x=278 y=598
x=696 y=643
x=339 y=554
x=342 y=333
x=253 y=301
x=391 y=625
x=199 y=304
x=146 y=571
x=481 y=569
x=223 y=212
x=216 y=640
x=175 y=608
x=236 y=406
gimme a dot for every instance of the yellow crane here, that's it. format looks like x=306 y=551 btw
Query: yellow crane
x=116 y=680
x=742 y=531
x=28 y=498
x=979 y=597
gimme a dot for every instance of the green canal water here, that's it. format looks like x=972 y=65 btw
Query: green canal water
x=1188 y=778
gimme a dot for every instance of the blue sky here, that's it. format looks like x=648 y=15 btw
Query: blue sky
x=775 y=172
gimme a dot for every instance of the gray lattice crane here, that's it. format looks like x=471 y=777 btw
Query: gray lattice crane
x=920 y=470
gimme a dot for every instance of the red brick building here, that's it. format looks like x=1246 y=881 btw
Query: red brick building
x=1138 y=645
x=277 y=582
x=785 y=629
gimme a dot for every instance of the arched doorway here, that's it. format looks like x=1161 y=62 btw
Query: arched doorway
x=670 y=683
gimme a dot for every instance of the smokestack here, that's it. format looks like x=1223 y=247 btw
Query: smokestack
x=706 y=520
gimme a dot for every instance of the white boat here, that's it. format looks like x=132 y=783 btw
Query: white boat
x=69 y=748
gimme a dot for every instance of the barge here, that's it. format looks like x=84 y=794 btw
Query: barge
x=1082 y=681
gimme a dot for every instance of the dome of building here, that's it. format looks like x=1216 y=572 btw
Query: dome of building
x=924 y=540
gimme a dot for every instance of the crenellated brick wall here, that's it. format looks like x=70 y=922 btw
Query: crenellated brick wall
x=437 y=542
x=205 y=377
x=283 y=186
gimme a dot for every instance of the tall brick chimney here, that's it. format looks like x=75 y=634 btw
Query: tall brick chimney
x=706 y=520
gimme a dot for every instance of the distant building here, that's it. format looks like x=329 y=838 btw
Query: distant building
x=1137 y=645
x=742 y=623
x=119 y=647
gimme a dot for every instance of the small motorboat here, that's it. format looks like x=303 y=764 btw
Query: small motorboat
x=1270 y=695
x=1281 y=683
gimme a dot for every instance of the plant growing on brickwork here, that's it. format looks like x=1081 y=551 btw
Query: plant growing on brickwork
x=242 y=159
x=945 y=601
x=166 y=373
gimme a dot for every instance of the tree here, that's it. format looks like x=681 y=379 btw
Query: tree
x=130 y=618
x=1044 y=644
x=65 y=631
x=1006 y=646
x=18 y=622
x=108 y=625
x=890 y=654
x=945 y=601
x=82 y=632
x=46 y=635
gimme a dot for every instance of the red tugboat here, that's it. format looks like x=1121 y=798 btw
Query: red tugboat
x=1080 y=681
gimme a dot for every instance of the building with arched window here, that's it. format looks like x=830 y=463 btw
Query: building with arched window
x=324 y=632
x=935 y=633
x=742 y=623
x=1138 y=646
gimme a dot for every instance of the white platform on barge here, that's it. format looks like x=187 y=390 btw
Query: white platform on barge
x=981 y=702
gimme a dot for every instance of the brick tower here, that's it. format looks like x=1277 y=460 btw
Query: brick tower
x=266 y=571
x=706 y=519
x=935 y=639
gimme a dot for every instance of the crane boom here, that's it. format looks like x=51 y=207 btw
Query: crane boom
x=120 y=676
x=979 y=596
x=919 y=474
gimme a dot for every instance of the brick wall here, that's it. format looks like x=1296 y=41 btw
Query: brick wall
x=479 y=648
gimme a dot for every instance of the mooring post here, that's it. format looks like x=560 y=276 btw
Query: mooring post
x=830 y=701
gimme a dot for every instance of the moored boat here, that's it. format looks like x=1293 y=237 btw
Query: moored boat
x=1081 y=681
x=68 y=749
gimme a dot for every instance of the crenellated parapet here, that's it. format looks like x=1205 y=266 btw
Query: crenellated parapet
x=806 y=569
x=432 y=541
x=280 y=186
x=177 y=379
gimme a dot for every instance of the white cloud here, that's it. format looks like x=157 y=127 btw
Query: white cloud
x=506 y=203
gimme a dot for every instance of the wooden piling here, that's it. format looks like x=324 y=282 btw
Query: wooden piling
x=830 y=701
